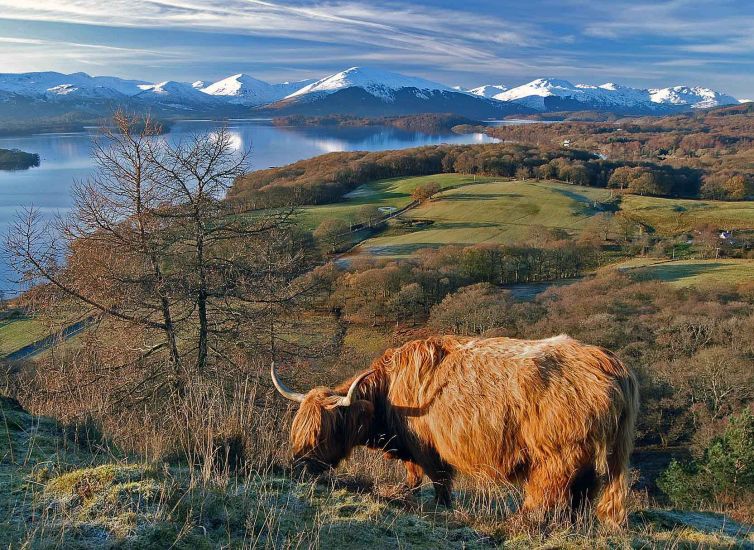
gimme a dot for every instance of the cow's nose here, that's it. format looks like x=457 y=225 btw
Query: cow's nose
x=303 y=468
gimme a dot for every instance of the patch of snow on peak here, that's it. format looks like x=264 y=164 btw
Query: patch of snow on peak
x=532 y=94
x=62 y=89
x=288 y=87
x=377 y=82
x=696 y=97
x=244 y=89
x=489 y=90
x=174 y=93
x=54 y=85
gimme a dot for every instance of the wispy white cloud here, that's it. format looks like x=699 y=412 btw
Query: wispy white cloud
x=451 y=33
x=36 y=53
x=14 y=40
x=696 y=23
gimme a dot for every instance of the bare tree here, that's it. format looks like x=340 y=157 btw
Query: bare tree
x=150 y=245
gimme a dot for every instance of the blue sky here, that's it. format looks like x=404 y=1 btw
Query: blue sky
x=468 y=43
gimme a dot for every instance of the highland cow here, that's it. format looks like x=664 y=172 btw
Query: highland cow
x=555 y=415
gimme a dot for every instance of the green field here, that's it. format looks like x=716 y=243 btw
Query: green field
x=494 y=212
x=672 y=216
x=395 y=192
x=18 y=332
x=685 y=273
x=486 y=210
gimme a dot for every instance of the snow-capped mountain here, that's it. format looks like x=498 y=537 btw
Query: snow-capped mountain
x=379 y=83
x=549 y=94
x=697 y=97
x=289 y=87
x=489 y=90
x=174 y=94
x=545 y=94
x=243 y=89
x=364 y=91
x=53 y=85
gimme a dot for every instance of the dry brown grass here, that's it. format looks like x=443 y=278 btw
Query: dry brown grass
x=210 y=469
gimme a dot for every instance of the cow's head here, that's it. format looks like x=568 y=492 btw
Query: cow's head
x=327 y=425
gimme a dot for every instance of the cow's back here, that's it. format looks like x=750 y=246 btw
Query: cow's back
x=492 y=406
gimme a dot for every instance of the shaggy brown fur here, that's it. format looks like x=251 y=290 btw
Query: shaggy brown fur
x=554 y=415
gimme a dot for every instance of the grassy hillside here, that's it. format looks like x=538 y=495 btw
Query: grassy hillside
x=500 y=212
x=685 y=273
x=672 y=216
x=395 y=192
x=470 y=212
x=57 y=493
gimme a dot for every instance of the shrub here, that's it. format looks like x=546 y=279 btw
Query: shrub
x=425 y=192
x=725 y=472
x=332 y=233
x=474 y=309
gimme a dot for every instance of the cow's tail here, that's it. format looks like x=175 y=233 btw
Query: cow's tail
x=611 y=506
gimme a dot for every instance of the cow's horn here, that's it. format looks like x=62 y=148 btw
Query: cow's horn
x=348 y=399
x=284 y=391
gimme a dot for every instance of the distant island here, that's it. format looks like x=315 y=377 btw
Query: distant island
x=15 y=159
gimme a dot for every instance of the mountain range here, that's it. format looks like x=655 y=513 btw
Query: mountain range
x=356 y=91
x=551 y=94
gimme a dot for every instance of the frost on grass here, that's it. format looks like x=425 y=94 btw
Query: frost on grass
x=696 y=528
x=112 y=498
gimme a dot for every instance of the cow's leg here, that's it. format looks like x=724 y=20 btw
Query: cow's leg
x=547 y=488
x=442 y=479
x=584 y=489
x=438 y=471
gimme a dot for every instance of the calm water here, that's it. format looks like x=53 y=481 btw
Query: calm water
x=66 y=158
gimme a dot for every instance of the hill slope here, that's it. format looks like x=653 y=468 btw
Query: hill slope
x=54 y=493
x=502 y=212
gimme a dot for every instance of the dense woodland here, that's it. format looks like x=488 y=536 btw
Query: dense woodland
x=719 y=143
